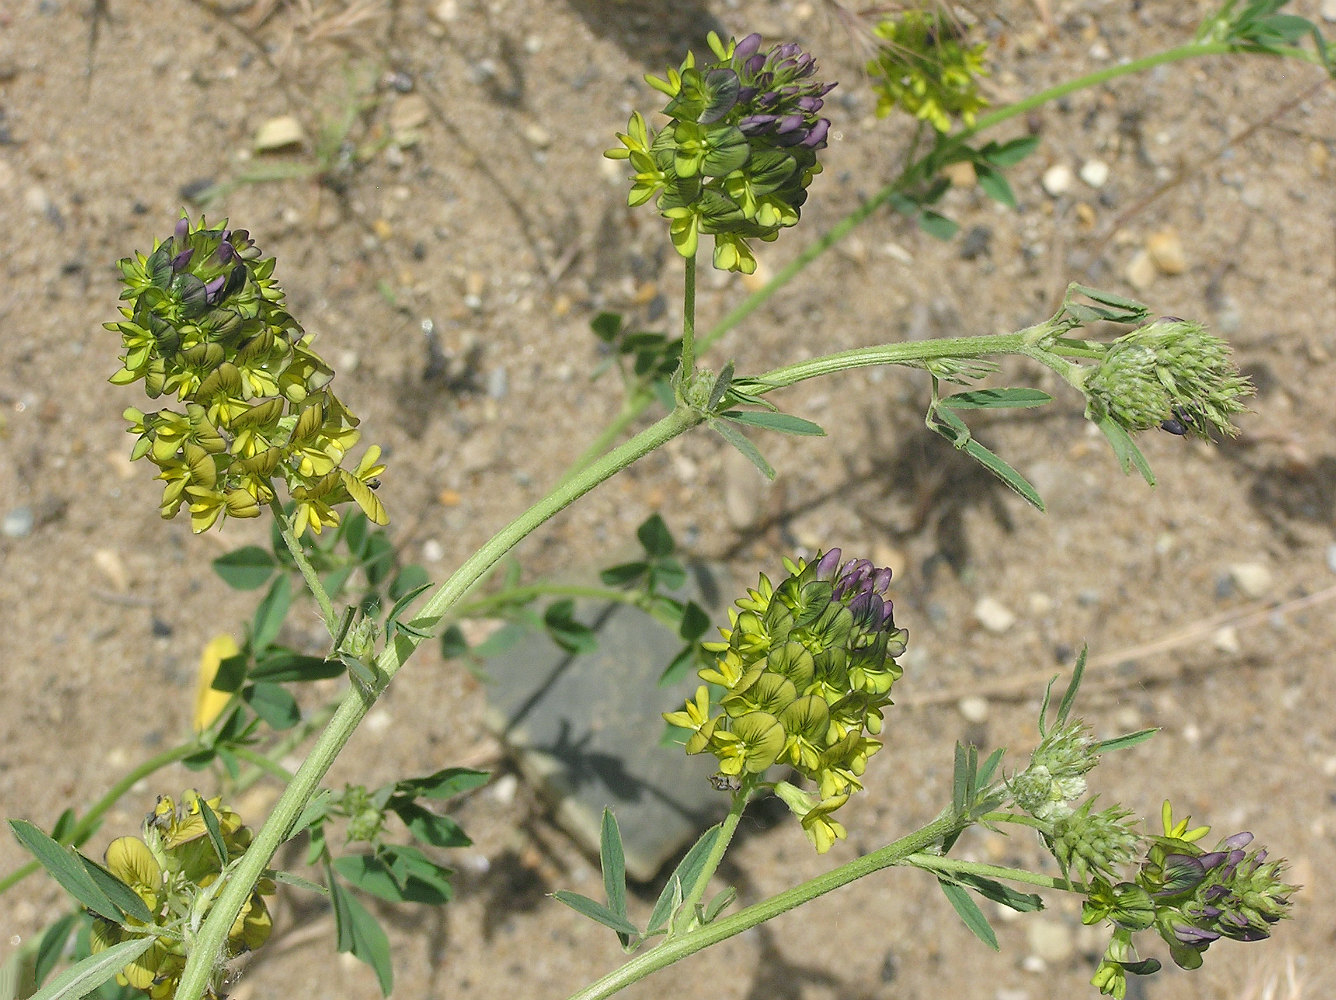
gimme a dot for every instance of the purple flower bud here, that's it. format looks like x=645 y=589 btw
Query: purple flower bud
x=816 y=137
x=748 y=47
x=756 y=124
x=182 y=228
x=825 y=566
x=212 y=288
x=182 y=260
x=1194 y=936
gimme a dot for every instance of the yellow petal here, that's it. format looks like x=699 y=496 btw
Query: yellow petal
x=208 y=702
x=130 y=860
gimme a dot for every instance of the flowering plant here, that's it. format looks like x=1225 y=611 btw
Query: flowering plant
x=795 y=695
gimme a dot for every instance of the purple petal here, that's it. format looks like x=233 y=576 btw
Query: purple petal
x=748 y=47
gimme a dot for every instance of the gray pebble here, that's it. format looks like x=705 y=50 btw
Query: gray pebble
x=18 y=523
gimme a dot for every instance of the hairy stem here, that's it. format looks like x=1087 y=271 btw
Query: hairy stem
x=308 y=572
x=677 y=948
x=726 y=830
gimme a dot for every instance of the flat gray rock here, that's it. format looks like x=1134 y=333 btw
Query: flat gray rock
x=586 y=729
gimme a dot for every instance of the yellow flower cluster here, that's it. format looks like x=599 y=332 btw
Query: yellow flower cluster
x=204 y=321
x=173 y=869
x=800 y=679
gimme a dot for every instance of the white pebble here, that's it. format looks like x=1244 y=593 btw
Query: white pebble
x=1050 y=940
x=1226 y=640
x=1057 y=179
x=1252 y=579
x=973 y=708
x=1095 y=173
x=504 y=789
x=994 y=615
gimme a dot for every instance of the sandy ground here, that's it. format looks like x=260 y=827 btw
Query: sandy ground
x=1206 y=601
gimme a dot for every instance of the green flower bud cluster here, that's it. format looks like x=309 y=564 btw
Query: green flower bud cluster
x=740 y=151
x=800 y=679
x=1056 y=775
x=1087 y=843
x=173 y=869
x=924 y=67
x=1190 y=897
x=204 y=321
x=1170 y=374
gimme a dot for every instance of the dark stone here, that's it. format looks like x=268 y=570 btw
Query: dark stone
x=586 y=729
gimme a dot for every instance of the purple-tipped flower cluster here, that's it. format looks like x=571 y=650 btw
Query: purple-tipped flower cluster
x=737 y=156
x=1190 y=897
x=203 y=321
x=778 y=88
x=800 y=679
x=866 y=586
x=1231 y=893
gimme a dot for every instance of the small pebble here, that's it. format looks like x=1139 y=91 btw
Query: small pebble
x=976 y=243
x=1226 y=640
x=498 y=383
x=973 y=708
x=1039 y=603
x=1166 y=252
x=410 y=113
x=18 y=523
x=38 y=201
x=1050 y=940
x=112 y=568
x=279 y=133
x=536 y=135
x=432 y=551
x=1329 y=10
x=994 y=615
x=1140 y=272
x=960 y=175
x=504 y=789
x=1057 y=179
x=1252 y=579
x=1095 y=173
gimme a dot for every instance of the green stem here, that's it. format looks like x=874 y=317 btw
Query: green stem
x=308 y=572
x=88 y=823
x=679 y=947
x=905 y=353
x=951 y=866
x=357 y=701
x=688 y=368
x=726 y=830
x=480 y=606
x=632 y=407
